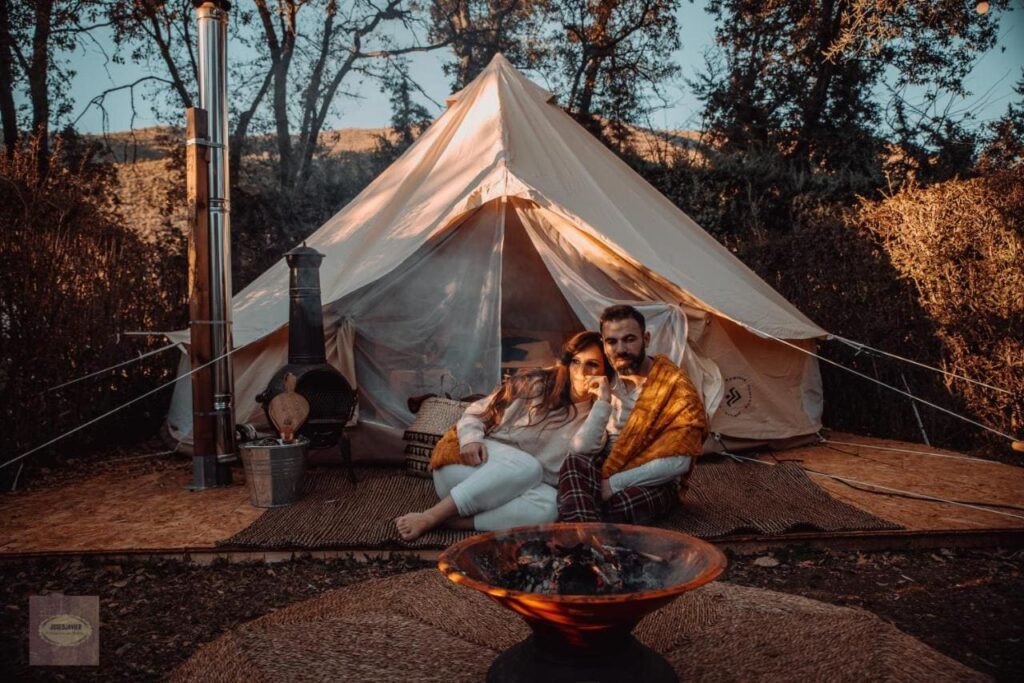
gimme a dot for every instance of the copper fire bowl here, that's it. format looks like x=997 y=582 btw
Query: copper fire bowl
x=583 y=621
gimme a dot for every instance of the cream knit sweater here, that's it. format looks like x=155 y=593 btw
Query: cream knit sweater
x=549 y=441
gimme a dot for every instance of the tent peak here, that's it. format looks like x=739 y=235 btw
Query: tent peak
x=498 y=59
x=500 y=68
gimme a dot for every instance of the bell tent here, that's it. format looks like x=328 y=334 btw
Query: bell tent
x=502 y=230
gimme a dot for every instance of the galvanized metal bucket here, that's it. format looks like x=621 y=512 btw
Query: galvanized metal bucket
x=274 y=470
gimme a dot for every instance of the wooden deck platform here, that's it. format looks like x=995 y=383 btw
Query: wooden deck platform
x=155 y=515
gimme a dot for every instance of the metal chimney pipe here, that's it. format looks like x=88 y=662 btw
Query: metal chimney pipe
x=212 y=19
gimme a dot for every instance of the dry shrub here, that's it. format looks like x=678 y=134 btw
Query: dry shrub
x=961 y=244
x=933 y=274
x=73 y=278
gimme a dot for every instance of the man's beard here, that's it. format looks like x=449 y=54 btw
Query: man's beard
x=629 y=364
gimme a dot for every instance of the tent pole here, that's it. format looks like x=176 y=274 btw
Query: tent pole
x=210 y=256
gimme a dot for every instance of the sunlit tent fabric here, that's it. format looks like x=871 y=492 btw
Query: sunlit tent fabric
x=505 y=228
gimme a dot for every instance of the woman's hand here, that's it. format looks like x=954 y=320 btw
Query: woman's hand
x=597 y=386
x=474 y=453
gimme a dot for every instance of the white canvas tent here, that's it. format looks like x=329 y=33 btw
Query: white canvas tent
x=505 y=228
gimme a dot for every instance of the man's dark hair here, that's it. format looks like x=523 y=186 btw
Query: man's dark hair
x=623 y=312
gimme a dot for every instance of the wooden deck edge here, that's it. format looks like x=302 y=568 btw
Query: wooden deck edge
x=740 y=545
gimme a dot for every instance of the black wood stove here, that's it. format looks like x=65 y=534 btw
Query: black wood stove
x=332 y=400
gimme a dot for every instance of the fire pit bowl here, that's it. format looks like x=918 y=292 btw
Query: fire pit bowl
x=582 y=637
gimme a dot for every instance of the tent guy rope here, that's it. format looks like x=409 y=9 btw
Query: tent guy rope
x=860 y=347
x=114 y=410
x=882 y=489
x=765 y=335
x=904 y=450
x=113 y=367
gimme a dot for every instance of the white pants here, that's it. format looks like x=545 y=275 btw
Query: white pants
x=504 y=492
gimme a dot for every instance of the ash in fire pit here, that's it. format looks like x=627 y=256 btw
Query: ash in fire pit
x=582 y=588
x=590 y=568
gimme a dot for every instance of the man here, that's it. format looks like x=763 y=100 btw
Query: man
x=656 y=426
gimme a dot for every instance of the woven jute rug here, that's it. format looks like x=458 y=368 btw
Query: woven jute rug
x=421 y=627
x=724 y=498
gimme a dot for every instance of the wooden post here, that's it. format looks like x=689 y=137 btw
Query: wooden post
x=205 y=468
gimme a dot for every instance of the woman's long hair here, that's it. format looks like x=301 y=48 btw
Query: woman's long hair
x=548 y=389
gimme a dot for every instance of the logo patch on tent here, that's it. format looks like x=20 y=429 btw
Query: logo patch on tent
x=738 y=395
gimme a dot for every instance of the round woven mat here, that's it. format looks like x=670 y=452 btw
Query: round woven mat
x=421 y=627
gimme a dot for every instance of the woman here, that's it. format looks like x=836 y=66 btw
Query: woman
x=512 y=444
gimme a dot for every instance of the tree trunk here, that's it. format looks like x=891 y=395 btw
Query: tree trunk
x=317 y=120
x=165 y=53
x=284 y=138
x=281 y=52
x=241 y=131
x=38 y=82
x=589 y=86
x=463 y=46
x=814 y=106
x=8 y=112
x=308 y=134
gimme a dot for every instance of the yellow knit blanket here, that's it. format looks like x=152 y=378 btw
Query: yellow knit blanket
x=446 y=451
x=668 y=419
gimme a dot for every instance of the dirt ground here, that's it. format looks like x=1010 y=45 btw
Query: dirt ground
x=966 y=604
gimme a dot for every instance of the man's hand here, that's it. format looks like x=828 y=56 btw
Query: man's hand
x=606 y=490
x=474 y=453
x=597 y=386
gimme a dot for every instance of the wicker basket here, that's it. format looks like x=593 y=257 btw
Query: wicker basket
x=436 y=416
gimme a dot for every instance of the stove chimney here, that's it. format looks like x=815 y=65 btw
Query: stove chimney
x=305 y=314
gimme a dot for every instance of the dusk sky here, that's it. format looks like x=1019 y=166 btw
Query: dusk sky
x=991 y=81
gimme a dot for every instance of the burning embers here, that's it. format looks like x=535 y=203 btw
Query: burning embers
x=582 y=588
x=586 y=568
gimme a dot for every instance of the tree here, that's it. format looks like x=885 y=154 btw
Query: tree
x=298 y=54
x=8 y=112
x=801 y=77
x=1005 y=142
x=165 y=26
x=31 y=34
x=408 y=117
x=477 y=30
x=609 y=54
x=339 y=45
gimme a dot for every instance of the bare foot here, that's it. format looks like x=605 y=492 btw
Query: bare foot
x=413 y=525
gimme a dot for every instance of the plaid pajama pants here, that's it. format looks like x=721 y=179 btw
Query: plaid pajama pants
x=579 y=495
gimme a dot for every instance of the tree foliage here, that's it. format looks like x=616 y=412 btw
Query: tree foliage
x=1004 y=146
x=827 y=82
x=476 y=30
x=296 y=57
x=609 y=56
x=35 y=39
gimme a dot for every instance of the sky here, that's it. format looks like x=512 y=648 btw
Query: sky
x=990 y=82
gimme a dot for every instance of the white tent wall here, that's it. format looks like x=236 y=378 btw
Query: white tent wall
x=770 y=392
x=753 y=388
x=514 y=269
x=504 y=153
x=502 y=136
x=431 y=323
